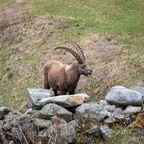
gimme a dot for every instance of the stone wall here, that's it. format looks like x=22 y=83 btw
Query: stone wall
x=64 y=119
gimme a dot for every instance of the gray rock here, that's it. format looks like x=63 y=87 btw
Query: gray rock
x=109 y=120
x=75 y=124
x=31 y=130
x=11 y=142
x=1 y=117
x=50 y=110
x=105 y=131
x=44 y=137
x=126 y=114
x=16 y=132
x=3 y=112
x=139 y=89
x=91 y=112
x=122 y=96
x=10 y=116
x=58 y=121
x=29 y=111
x=68 y=134
x=118 y=114
x=28 y=125
x=93 y=130
x=66 y=100
x=35 y=95
x=132 y=110
x=64 y=134
x=1 y=123
x=110 y=108
x=103 y=103
x=42 y=124
x=6 y=126
x=24 y=119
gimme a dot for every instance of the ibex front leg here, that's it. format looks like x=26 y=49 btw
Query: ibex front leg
x=55 y=92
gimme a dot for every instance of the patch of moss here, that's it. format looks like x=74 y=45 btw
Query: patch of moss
x=139 y=123
x=36 y=115
x=87 y=126
x=83 y=137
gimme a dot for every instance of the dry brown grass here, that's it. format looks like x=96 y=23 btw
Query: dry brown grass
x=12 y=14
x=28 y=45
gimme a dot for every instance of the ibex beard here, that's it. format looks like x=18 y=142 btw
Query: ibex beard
x=65 y=78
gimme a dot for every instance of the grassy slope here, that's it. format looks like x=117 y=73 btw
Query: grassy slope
x=123 y=20
x=4 y=1
x=120 y=22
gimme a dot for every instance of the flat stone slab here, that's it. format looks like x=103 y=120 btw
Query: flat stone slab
x=35 y=95
x=66 y=100
x=122 y=96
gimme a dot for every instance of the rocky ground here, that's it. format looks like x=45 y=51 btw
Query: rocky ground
x=67 y=119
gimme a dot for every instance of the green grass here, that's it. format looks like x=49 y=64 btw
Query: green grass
x=120 y=20
x=5 y=1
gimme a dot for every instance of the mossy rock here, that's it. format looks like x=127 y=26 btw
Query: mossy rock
x=84 y=137
x=51 y=110
x=139 y=123
x=88 y=126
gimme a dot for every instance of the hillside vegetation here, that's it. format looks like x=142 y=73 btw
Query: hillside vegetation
x=110 y=32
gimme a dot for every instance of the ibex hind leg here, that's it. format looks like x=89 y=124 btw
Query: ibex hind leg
x=72 y=92
x=46 y=82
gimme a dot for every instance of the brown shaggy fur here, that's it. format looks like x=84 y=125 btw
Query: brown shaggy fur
x=63 y=77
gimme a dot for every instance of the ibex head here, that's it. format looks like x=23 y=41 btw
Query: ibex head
x=79 y=55
x=84 y=69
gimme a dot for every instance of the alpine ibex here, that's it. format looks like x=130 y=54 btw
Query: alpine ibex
x=65 y=77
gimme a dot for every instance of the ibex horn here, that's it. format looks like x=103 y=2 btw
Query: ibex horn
x=78 y=48
x=73 y=52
